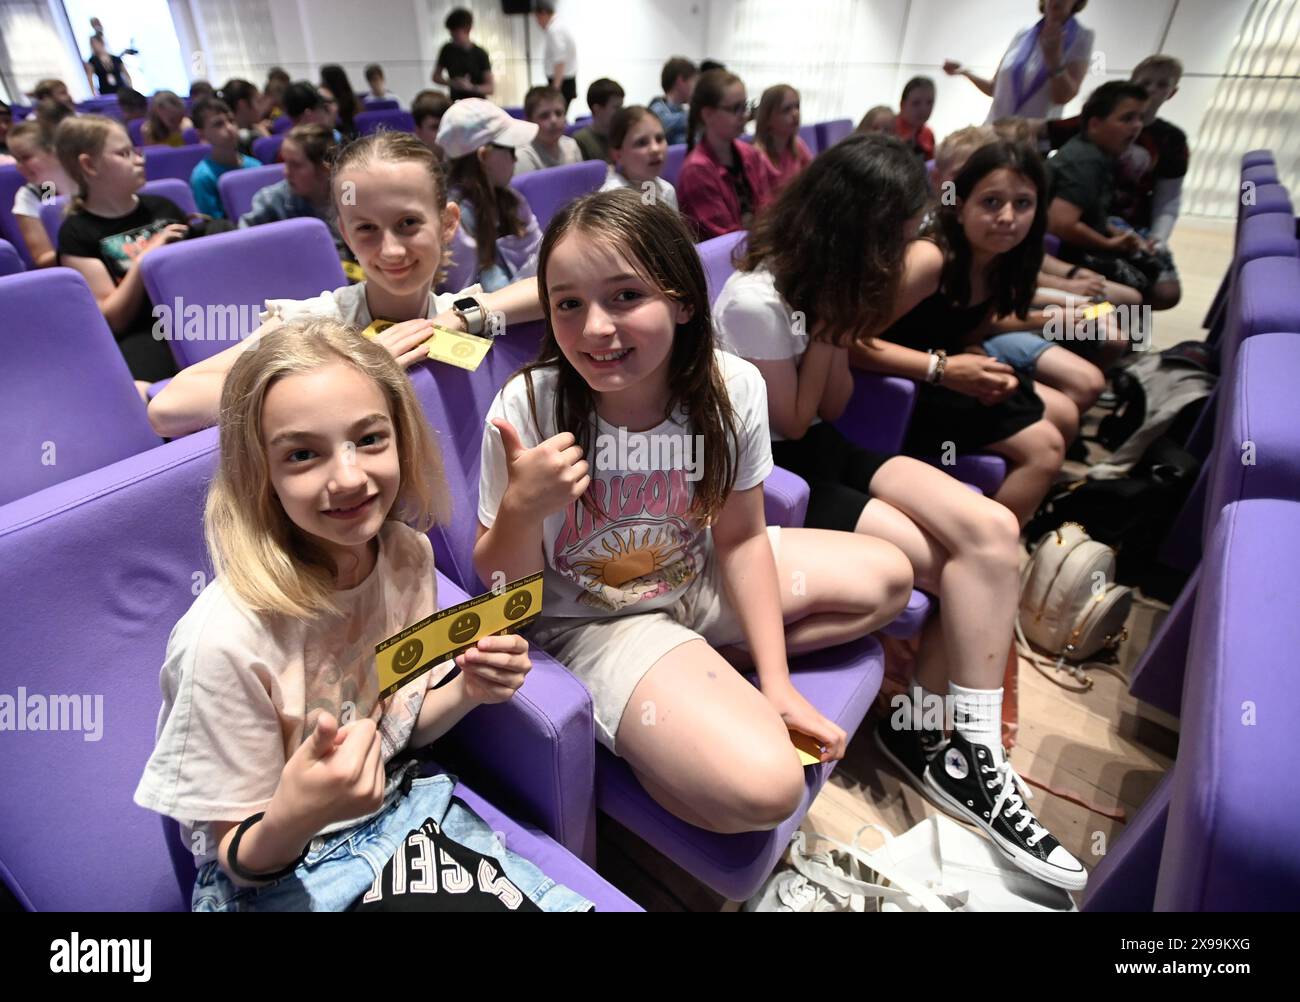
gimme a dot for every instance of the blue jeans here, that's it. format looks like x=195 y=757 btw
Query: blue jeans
x=341 y=866
x=1019 y=349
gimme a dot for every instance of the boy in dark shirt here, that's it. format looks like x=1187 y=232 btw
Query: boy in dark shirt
x=604 y=98
x=463 y=67
x=1149 y=174
x=1083 y=195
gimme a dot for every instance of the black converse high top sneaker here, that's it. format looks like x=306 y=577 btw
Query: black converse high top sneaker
x=963 y=777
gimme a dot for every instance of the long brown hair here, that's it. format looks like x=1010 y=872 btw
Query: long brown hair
x=708 y=92
x=655 y=241
x=75 y=136
x=834 y=238
x=158 y=130
x=496 y=210
x=257 y=549
x=768 y=105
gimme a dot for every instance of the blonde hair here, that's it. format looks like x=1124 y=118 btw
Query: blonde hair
x=388 y=146
x=75 y=136
x=867 y=123
x=1160 y=63
x=261 y=555
x=957 y=147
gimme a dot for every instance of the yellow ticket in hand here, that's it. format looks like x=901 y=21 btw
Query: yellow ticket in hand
x=451 y=631
x=465 y=351
x=1095 y=310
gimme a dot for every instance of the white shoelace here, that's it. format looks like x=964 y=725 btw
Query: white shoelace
x=1013 y=794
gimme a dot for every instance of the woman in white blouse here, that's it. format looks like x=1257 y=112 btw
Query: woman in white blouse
x=1043 y=67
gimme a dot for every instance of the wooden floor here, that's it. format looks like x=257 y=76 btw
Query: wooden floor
x=1103 y=747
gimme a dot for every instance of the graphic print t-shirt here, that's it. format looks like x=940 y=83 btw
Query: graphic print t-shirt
x=644 y=549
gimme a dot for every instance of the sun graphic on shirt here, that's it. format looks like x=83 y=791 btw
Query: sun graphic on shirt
x=620 y=558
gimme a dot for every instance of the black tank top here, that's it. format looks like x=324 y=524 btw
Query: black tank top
x=934 y=322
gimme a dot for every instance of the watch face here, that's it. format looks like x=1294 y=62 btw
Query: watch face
x=466 y=304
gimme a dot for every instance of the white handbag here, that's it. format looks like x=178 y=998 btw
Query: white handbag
x=1070 y=606
x=935 y=866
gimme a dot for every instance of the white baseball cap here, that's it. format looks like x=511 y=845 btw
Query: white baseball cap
x=472 y=123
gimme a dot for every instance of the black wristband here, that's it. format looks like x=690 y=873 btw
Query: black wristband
x=248 y=875
x=1073 y=271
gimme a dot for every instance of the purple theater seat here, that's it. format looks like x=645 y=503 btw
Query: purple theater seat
x=1256 y=455
x=21 y=112
x=229 y=276
x=573 y=127
x=717 y=256
x=1051 y=244
x=173 y=161
x=1254 y=158
x=134 y=130
x=1264 y=299
x=237 y=187
x=172 y=188
x=1234 y=813
x=380 y=103
x=111 y=579
x=190 y=136
x=831 y=132
x=10 y=261
x=267 y=148
x=811 y=138
x=673 y=161
x=1260 y=174
x=10 y=182
x=281 y=125
x=395 y=120
x=551 y=189
x=69 y=403
x=785 y=498
x=515 y=111
x=1269 y=234
x=1266 y=198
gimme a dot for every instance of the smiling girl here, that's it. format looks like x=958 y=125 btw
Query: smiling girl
x=652 y=569
x=398 y=224
x=274 y=747
x=638 y=148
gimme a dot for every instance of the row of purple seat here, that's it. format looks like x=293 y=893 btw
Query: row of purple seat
x=1217 y=833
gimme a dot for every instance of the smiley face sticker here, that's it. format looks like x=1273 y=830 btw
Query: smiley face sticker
x=517 y=604
x=408 y=656
x=463 y=628
x=422 y=646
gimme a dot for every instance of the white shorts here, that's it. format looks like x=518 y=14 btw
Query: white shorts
x=611 y=654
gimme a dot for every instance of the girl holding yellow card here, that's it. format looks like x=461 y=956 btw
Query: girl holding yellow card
x=397 y=221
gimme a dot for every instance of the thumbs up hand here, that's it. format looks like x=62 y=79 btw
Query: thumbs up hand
x=546 y=478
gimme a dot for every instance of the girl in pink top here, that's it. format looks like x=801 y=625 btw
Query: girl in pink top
x=777 y=133
x=723 y=182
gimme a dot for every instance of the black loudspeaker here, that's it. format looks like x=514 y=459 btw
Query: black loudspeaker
x=516 y=6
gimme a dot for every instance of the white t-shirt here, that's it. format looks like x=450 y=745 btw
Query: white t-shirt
x=664 y=191
x=533 y=157
x=753 y=321
x=27 y=201
x=241 y=691
x=1039 y=103
x=646 y=550
x=559 y=49
x=348 y=305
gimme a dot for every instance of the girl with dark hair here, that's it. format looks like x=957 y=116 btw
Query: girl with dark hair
x=979 y=261
x=914 y=110
x=723 y=181
x=627 y=465
x=335 y=80
x=822 y=270
x=497 y=240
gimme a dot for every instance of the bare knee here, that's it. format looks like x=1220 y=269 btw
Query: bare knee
x=1043 y=447
x=767 y=792
x=993 y=537
x=895 y=579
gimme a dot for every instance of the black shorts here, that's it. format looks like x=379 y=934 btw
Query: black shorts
x=569 y=88
x=838 y=473
x=944 y=416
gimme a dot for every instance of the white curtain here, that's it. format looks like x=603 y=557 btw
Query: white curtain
x=1256 y=104
x=236 y=39
x=33 y=47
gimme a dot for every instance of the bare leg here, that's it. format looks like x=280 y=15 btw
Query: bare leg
x=1060 y=410
x=1034 y=457
x=1072 y=374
